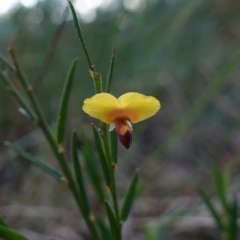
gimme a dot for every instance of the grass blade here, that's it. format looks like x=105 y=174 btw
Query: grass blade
x=36 y=162
x=9 y=234
x=112 y=221
x=62 y=114
x=211 y=209
x=127 y=203
x=48 y=56
x=215 y=85
x=101 y=154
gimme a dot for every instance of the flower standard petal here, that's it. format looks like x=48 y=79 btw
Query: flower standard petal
x=102 y=106
x=137 y=107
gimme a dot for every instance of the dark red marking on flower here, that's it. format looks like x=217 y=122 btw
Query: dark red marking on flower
x=126 y=140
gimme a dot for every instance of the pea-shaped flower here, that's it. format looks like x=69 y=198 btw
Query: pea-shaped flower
x=120 y=113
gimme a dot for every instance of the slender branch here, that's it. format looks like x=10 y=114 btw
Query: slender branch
x=50 y=51
x=26 y=86
x=112 y=168
x=44 y=126
x=110 y=73
x=79 y=31
x=57 y=150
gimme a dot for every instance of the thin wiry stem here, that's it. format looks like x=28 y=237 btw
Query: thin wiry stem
x=110 y=73
x=50 y=51
x=79 y=31
x=111 y=167
x=58 y=151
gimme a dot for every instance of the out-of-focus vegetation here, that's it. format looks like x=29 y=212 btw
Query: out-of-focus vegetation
x=186 y=53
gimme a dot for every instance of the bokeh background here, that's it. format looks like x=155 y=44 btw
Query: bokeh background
x=186 y=53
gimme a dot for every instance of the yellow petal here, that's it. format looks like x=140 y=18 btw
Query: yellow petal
x=137 y=107
x=102 y=106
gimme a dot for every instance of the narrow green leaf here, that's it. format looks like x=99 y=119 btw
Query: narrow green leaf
x=78 y=175
x=96 y=76
x=75 y=18
x=112 y=221
x=92 y=168
x=211 y=209
x=233 y=225
x=63 y=107
x=9 y=234
x=79 y=31
x=105 y=232
x=36 y=162
x=114 y=146
x=110 y=72
x=2 y=222
x=221 y=186
x=127 y=203
x=101 y=154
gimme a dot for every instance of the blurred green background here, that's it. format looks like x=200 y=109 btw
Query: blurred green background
x=186 y=53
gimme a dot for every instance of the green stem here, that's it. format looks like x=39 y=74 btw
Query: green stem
x=114 y=194
x=18 y=72
x=112 y=168
x=110 y=73
x=59 y=153
x=57 y=150
x=79 y=31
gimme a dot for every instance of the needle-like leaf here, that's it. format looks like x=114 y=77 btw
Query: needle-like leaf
x=36 y=162
x=63 y=107
x=211 y=208
x=127 y=203
x=112 y=221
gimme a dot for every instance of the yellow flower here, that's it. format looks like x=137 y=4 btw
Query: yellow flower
x=129 y=108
